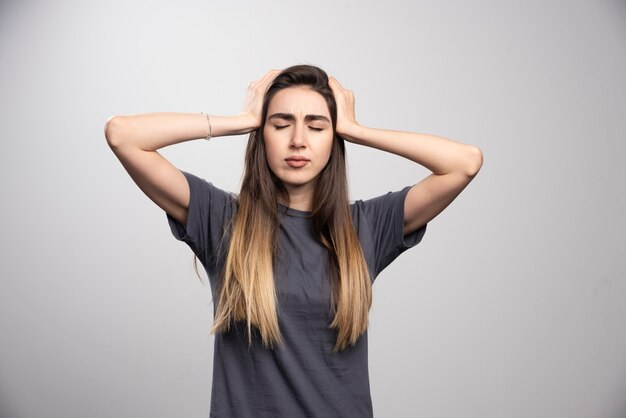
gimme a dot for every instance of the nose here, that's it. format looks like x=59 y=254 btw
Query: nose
x=298 y=140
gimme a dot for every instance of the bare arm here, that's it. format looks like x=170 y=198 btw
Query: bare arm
x=452 y=163
x=135 y=140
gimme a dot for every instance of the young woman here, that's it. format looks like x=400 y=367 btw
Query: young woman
x=291 y=263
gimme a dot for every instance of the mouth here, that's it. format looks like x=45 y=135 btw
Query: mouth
x=296 y=161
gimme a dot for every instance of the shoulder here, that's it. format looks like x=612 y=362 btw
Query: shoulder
x=205 y=190
x=384 y=202
x=379 y=223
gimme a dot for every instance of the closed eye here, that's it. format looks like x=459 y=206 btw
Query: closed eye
x=280 y=126
x=316 y=129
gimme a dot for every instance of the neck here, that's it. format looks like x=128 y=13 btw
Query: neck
x=300 y=197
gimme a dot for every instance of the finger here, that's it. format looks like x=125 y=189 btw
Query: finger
x=270 y=75
x=264 y=81
x=333 y=82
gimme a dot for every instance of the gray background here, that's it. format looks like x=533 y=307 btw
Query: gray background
x=513 y=306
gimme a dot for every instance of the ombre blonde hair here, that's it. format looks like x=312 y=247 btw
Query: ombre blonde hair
x=246 y=289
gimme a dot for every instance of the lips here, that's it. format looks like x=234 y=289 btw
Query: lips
x=297 y=161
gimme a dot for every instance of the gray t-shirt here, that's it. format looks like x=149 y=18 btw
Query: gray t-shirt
x=303 y=377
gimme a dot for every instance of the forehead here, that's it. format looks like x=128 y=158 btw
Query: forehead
x=299 y=101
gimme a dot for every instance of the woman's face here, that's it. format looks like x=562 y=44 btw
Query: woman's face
x=298 y=137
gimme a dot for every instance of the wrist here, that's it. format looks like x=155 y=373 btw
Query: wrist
x=247 y=122
x=231 y=125
x=351 y=131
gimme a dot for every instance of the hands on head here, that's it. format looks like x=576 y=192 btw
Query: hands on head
x=253 y=102
x=346 y=118
x=255 y=93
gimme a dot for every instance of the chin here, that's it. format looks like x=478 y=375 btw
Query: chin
x=292 y=181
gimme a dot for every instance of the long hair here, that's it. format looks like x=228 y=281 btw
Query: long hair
x=246 y=289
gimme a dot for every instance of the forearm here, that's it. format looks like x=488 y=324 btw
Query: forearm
x=438 y=154
x=152 y=131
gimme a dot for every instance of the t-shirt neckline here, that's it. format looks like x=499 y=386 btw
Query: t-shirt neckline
x=294 y=212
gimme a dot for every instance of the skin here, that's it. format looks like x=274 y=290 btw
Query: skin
x=135 y=140
x=298 y=126
x=452 y=163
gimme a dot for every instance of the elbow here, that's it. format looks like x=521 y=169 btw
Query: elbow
x=112 y=131
x=473 y=161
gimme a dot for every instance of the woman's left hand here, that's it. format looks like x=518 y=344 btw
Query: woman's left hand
x=346 y=119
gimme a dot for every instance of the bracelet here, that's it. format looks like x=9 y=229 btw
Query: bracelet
x=210 y=134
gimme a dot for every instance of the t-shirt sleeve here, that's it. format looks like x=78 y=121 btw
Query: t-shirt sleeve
x=210 y=209
x=380 y=225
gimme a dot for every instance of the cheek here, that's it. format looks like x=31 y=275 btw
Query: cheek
x=271 y=154
x=328 y=147
x=269 y=142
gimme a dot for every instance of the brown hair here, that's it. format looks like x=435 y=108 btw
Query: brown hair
x=246 y=290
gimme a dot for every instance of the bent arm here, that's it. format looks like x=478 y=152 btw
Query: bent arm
x=135 y=140
x=452 y=163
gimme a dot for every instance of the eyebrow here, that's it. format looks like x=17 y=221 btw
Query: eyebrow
x=291 y=118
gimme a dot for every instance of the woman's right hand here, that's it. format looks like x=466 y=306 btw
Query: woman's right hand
x=253 y=102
